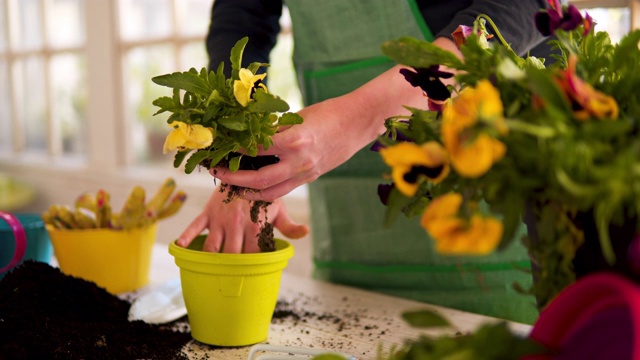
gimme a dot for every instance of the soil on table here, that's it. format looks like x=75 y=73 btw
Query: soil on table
x=45 y=314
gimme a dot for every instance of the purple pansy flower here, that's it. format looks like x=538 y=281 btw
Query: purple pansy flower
x=558 y=17
x=428 y=79
x=384 y=190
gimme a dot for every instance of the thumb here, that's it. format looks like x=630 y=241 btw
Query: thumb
x=288 y=227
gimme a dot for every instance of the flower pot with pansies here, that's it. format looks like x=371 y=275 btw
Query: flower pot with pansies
x=221 y=122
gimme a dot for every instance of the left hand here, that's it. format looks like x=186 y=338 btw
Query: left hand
x=230 y=227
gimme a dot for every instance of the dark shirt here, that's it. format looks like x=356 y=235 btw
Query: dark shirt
x=259 y=20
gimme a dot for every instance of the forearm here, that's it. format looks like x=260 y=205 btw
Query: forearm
x=383 y=97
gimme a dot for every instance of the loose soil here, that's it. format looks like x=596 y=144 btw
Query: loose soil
x=45 y=314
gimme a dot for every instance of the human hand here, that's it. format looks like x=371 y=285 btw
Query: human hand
x=230 y=226
x=333 y=130
x=322 y=142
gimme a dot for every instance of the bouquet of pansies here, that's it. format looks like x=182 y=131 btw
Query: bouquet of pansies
x=515 y=134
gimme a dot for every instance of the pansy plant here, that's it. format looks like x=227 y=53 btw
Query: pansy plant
x=215 y=118
x=513 y=131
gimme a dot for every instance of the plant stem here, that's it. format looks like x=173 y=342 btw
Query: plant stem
x=497 y=31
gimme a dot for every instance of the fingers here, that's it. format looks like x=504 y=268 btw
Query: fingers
x=231 y=229
x=213 y=243
x=251 y=238
x=234 y=235
x=261 y=179
x=287 y=227
x=193 y=230
x=272 y=193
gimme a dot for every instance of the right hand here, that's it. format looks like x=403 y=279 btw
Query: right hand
x=230 y=226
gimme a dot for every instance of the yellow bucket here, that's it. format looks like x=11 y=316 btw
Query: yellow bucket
x=117 y=260
x=230 y=298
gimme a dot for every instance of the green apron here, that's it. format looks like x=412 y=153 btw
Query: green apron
x=337 y=49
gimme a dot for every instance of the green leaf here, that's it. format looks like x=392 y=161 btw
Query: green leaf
x=290 y=119
x=209 y=114
x=236 y=122
x=395 y=204
x=195 y=159
x=180 y=155
x=543 y=85
x=419 y=53
x=425 y=319
x=215 y=98
x=187 y=81
x=267 y=102
x=165 y=103
x=234 y=163
x=255 y=66
x=236 y=53
x=627 y=45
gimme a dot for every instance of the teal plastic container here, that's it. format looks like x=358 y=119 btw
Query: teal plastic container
x=38 y=248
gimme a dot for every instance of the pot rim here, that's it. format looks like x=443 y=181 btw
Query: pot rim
x=284 y=251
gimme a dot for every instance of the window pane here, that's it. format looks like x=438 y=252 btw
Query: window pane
x=3 y=27
x=26 y=24
x=281 y=77
x=615 y=21
x=66 y=23
x=69 y=107
x=193 y=17
x=30 y=95
x=144 y=19
x=193 y=55
x=6 y=129
x=147 y=131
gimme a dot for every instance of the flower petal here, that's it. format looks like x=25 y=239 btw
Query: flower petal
x=453 y=234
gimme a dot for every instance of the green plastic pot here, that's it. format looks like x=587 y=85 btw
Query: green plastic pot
x=230 y=298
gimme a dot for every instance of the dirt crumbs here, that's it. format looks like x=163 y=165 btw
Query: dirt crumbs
x=302 y=315
x=45 y=314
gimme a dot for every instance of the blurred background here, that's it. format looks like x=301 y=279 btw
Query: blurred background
x=75 y=99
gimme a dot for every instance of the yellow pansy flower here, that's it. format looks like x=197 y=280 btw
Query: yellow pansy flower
x=469 y=124
x=242 y=88
x=409 y=162
x=185 y=136
x=457 y=235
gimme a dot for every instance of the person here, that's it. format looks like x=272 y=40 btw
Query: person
x=349 y=89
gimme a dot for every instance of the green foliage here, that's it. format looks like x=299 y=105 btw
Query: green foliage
x=424 y=319
x=207 y=98
x=557 y=162
x=488 y=342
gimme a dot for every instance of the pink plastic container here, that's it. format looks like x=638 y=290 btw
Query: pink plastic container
x=598 y=317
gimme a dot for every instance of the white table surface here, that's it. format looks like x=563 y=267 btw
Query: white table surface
x=338 y=318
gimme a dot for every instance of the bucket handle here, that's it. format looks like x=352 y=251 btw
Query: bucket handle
x=20 y=239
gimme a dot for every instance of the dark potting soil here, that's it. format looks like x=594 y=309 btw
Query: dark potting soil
x=45 y=314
